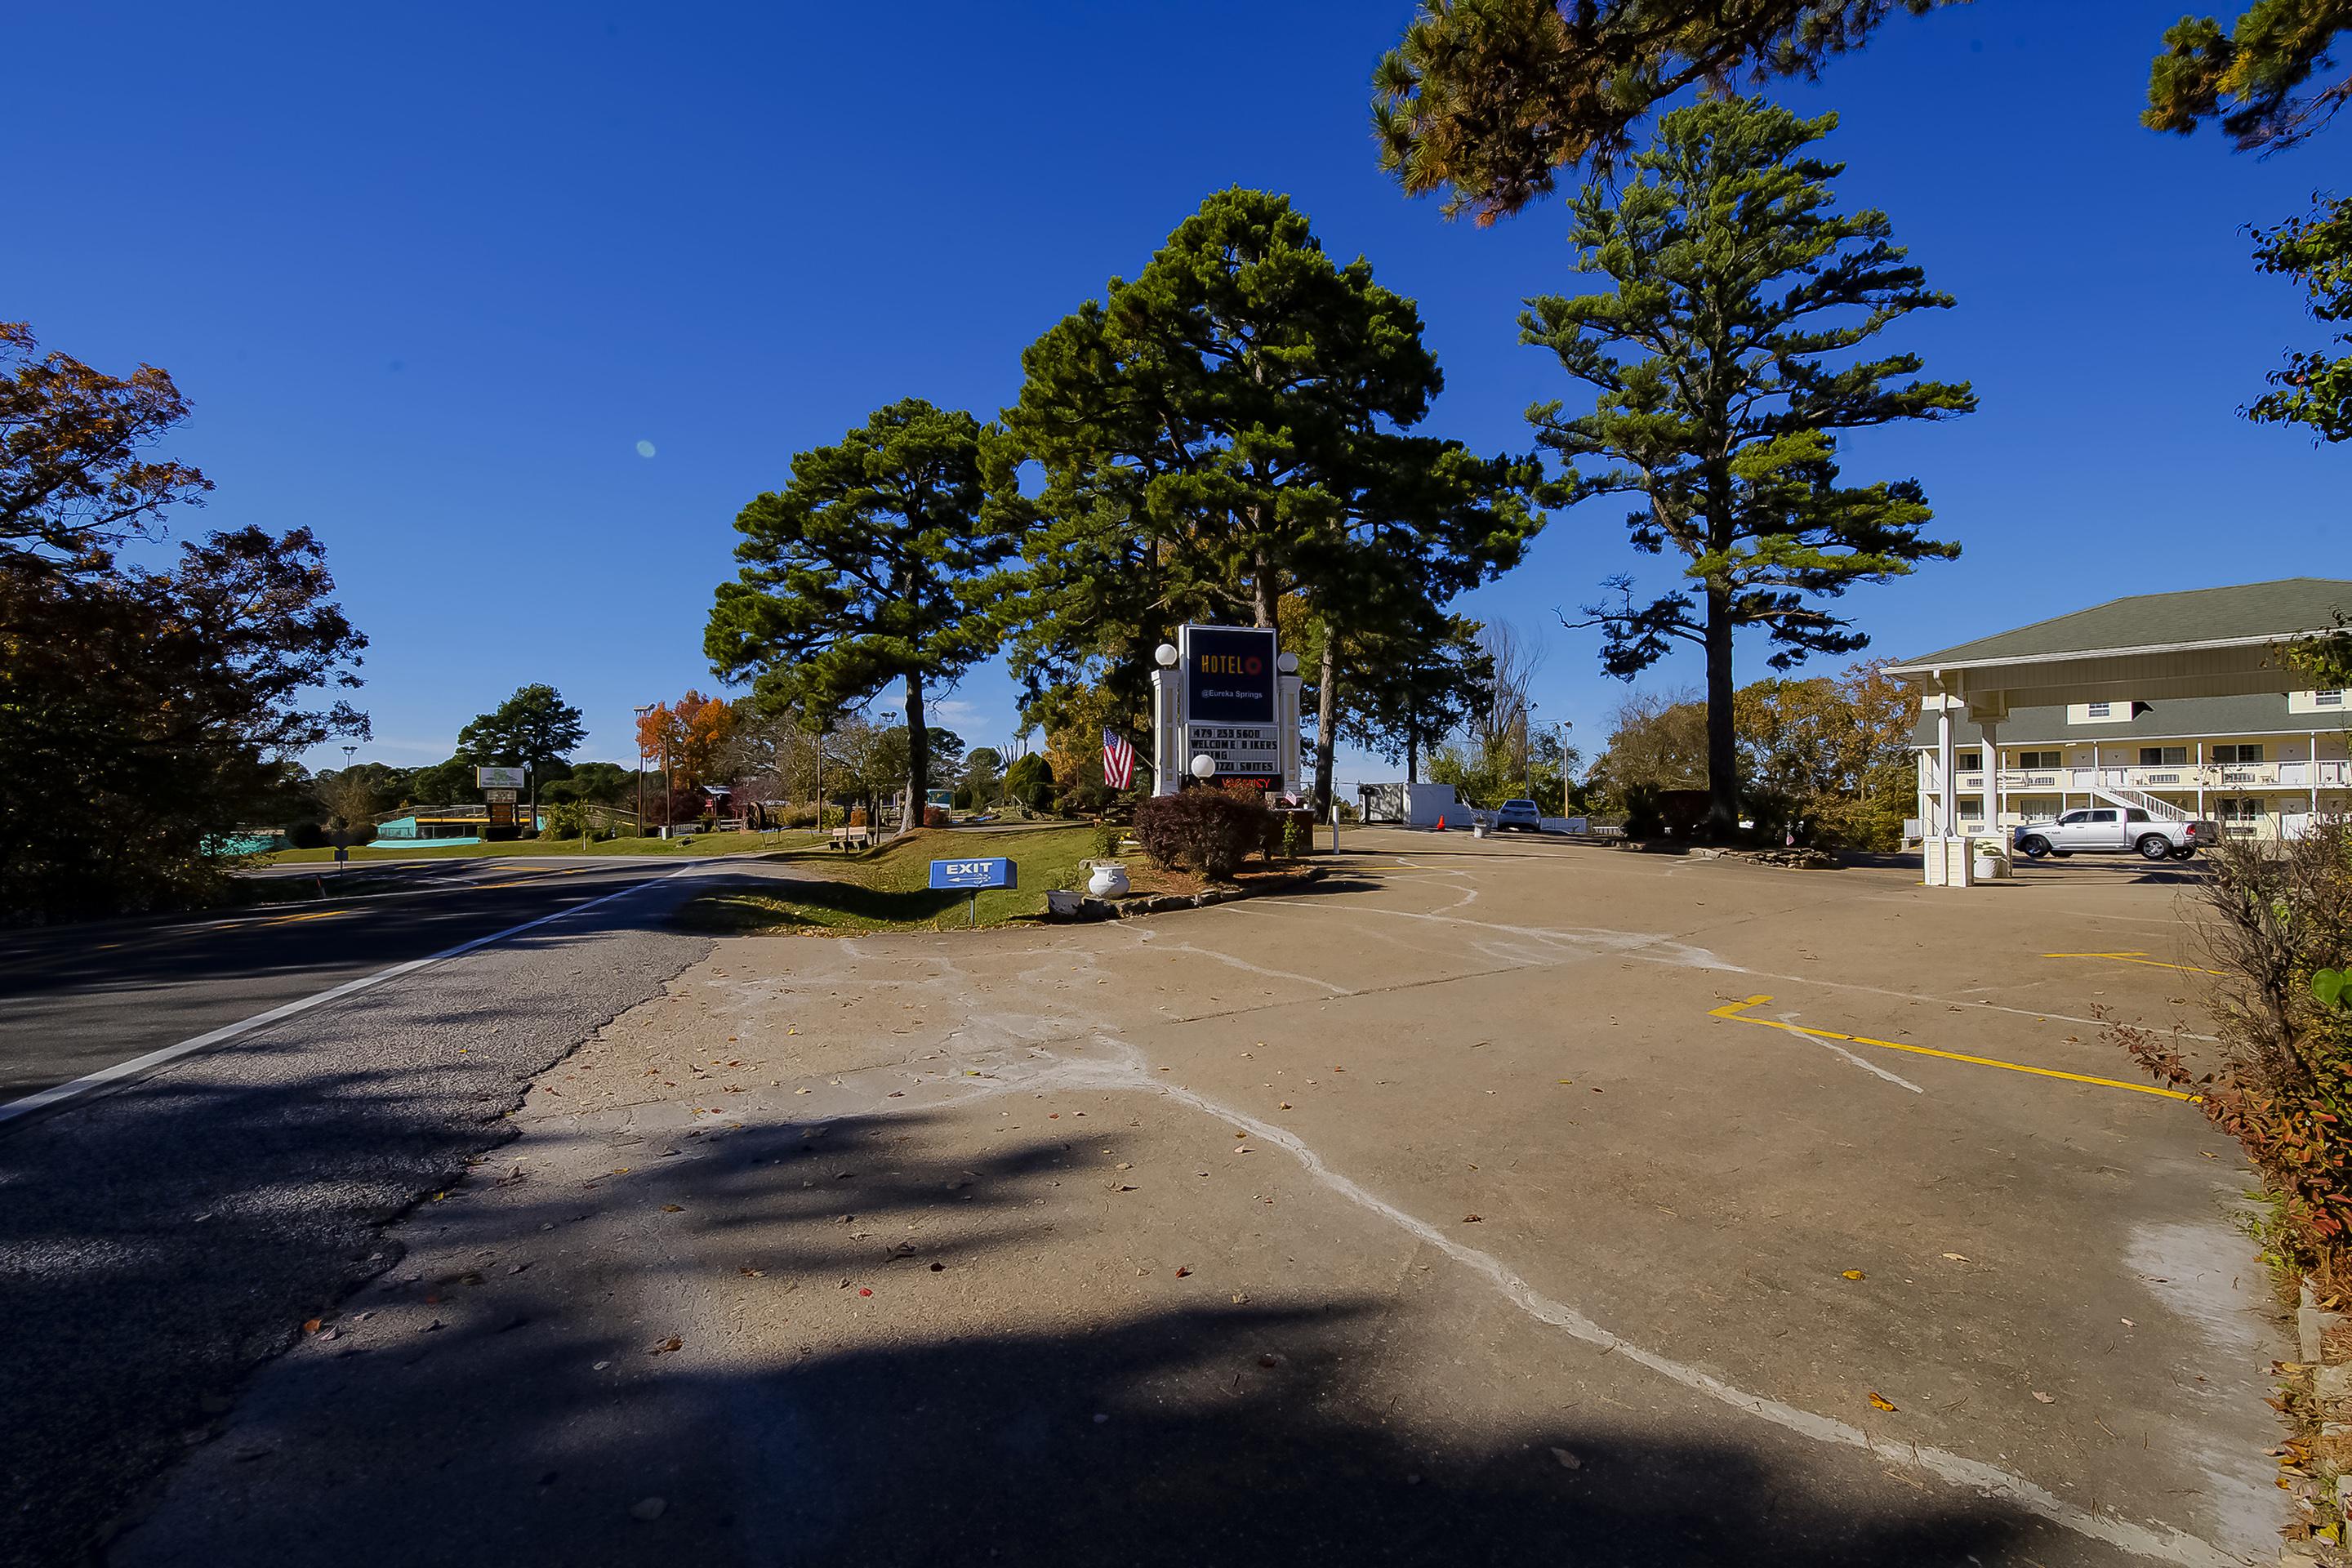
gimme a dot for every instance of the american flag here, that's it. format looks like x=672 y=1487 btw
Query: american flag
x=1119 y=761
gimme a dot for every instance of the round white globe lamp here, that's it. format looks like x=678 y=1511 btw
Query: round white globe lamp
x=1204 y=768
x=1166 y=654
x=1287 y=663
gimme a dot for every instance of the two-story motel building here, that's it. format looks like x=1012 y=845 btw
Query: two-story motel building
x=2174 y=703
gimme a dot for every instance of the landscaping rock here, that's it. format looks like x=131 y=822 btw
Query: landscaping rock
x=2332 y=1383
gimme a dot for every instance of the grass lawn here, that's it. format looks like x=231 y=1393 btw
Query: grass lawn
x=705 y=843
x=887 y=889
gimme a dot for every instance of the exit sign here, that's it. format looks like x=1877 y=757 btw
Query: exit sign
x=972 y=875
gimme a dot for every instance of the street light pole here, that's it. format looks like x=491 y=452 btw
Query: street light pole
x=342 y=864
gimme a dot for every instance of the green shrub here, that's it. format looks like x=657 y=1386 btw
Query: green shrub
x=1212 y=831
x=961 y=798
x=306 y=835
x=1027 y=773
x=1038 y=796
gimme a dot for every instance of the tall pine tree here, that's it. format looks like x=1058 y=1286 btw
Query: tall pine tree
x=1230 y=430
x=1724 y=358
x=878 y=563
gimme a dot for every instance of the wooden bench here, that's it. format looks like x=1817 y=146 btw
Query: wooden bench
x=855 y=838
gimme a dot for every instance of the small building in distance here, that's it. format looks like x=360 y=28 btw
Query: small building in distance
x=2176 y=704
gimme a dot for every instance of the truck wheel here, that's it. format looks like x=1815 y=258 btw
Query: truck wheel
x=2035 y=847
x=2184 y=852
x=2155 y=846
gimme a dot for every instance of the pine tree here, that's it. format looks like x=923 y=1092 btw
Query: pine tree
x=1487 y=100
x=878 y=563
x=1230 y=430
x=1741 y=299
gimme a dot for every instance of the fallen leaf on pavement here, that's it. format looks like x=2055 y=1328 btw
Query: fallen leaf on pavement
x=1568 y=1461
x=1852 y=1274
x=671 y=1343
x=2043 y=1397
x=1879 y=1402
x=672 y=1208
x=1181 y=1273
x=1269 y=1361
x=753 y=1273
x=1955 y=1258
x=309 y=1325
x=865 y=1290
x=1473 y=1219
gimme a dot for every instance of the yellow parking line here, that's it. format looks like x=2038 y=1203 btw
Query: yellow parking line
x=2138 y=957
x=309 y=915
x=1737 y=1013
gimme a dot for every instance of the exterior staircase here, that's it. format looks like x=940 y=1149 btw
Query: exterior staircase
x=2132 y=799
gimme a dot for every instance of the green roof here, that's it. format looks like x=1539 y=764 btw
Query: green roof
x=2252 y=612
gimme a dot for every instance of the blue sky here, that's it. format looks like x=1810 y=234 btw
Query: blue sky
x=432 y=274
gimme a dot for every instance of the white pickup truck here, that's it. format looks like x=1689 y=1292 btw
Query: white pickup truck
x=2113 y=829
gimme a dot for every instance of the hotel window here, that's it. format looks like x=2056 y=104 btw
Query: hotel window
x=2237 y=756
x=2163 y=756
x=2099 y=710
x=2327 y=700
x=2041 y=760
x=1968 y=761
x=2239 y=808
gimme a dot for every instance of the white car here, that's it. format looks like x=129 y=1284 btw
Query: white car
x=2113 y=830
x=1522 y=814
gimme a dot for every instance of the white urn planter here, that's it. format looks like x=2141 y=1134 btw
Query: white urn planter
x=1108 y=881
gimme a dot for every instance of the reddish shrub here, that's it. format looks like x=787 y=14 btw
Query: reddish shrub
x=1208 y=830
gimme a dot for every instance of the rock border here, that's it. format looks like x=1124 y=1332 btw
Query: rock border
x=1072 y=907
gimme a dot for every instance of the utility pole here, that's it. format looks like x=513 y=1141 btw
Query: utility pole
x=641 y=765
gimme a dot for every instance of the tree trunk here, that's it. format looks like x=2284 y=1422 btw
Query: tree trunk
x=1722 y=740
x=918 y=756
x=1261 y=595
x=1327 y=724
x=1411 y=753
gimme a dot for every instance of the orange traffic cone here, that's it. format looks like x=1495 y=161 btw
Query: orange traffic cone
x=1440 y=822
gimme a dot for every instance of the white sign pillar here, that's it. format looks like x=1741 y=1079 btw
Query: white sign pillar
x=1168 y=758
x=1285 y=721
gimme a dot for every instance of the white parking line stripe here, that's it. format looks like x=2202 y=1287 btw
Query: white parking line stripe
x=60 y=1093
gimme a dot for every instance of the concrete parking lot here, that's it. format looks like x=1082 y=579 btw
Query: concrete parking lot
x=1495 y=1200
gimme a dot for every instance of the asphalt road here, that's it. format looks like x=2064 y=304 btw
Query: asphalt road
x=159 y=1238
x=78 y=1000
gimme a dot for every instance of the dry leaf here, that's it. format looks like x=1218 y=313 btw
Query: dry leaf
x=2043 y=1397
x=753 y=1273
x=1954 y=1258
x=1852 y=1274
x=1568 y=1461
x=671 y=1343
x=672 y=1208
x=309 y=1325
x=1880 y=1402
x=1181 y=1273
x=1473 y=1218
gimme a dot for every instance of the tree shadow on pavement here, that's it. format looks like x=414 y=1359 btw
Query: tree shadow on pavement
x=1183 y=1436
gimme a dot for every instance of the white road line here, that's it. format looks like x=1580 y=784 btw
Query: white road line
x=60 y=1093
x=1123 y=1069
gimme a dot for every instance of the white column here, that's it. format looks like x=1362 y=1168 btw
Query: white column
x=1285 y=733
x=1168 y=760
x=1948 y=807
x=2314 y=775
x=1991 y=733
x=2200 y=781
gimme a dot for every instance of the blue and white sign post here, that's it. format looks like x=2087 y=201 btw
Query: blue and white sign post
x=975 y=876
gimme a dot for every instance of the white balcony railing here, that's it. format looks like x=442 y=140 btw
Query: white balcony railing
x=2175 y=778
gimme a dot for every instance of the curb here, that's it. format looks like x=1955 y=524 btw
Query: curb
x=1073 y=908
